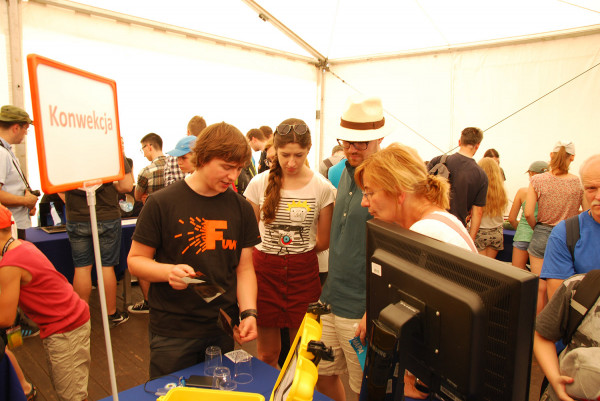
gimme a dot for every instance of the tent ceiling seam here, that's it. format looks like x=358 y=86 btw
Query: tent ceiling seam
x=267 y=16
x=433 y=23
x=159 y=26
x=554 y=35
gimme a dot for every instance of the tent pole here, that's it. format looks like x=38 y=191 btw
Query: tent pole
x=321 y=113
x=555 y=35
x=266 y=16
x=167 y=28
x=15 y=51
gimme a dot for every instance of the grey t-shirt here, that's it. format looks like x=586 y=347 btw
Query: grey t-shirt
x=551 y=323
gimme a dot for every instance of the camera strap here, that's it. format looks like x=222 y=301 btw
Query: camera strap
x=17 y=166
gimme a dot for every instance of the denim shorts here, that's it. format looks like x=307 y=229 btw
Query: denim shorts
x=522 y=245
x=539 y=239
x=82 y=247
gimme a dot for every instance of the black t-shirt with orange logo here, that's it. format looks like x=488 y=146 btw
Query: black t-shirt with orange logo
x=207 y=233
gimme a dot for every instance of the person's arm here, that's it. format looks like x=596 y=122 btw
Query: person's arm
x=324 y=228
x=169 y=179
x=246 y=296
x=530 y=203
x=256 y=210
x=125 y=184
x=7 y=199
x=545 y=354
x=141 y=187
x=476 y=215
x=514 y=210
x=141 y=263
x=552 y=284
x=10 y=289
x=361 y=330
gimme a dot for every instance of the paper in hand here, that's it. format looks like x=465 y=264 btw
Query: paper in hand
x=361 y=350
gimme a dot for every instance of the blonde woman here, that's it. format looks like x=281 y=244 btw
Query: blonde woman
x=558 y=195
x=397 y=189
x=293 y=206
x=490 y=236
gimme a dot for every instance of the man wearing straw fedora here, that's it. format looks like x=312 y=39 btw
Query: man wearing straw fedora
x=361 y=131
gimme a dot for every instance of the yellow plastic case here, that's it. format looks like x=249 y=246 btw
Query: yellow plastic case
x=193 y=393
x=296 y=381
x=299 y=374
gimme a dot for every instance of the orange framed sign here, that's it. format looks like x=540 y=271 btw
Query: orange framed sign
x=76 y=123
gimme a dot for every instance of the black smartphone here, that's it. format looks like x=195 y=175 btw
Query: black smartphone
x=199 y=381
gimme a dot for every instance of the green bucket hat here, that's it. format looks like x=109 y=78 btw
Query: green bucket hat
x=14 y=114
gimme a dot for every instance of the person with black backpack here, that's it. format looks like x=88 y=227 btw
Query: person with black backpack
x=574 y=244
x=573 y=315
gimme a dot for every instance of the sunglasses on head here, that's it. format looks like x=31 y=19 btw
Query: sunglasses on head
x=284 y=129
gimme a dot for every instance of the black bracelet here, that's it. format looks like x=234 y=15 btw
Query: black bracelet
x=248 y=313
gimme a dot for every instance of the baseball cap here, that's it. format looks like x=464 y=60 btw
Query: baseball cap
x=14 y=114
x=5 y=217
x=183 y=147
x=538 y=167
x=583 y=365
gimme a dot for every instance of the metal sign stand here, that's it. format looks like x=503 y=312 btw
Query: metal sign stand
x=91 y=201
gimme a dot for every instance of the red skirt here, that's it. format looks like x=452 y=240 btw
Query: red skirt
x=286 y=285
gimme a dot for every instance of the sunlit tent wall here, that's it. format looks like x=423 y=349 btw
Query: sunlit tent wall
x=165 y=77
x=439 y=94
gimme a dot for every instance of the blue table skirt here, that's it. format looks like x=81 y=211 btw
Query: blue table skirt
x=10 y=387
x=57 y=249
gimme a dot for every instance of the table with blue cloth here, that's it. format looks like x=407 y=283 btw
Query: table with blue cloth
x=264 y=377
x=10 y=387
x=57 y=248
x=505 y=255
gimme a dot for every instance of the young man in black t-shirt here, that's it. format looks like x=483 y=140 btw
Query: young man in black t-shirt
x=468 y=182
x=198 y=228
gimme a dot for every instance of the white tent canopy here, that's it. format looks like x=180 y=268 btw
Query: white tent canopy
x=439 y=66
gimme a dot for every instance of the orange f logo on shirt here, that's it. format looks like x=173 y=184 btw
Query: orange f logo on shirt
x=205 y=234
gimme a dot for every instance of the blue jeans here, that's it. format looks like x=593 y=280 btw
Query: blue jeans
x=82 y=247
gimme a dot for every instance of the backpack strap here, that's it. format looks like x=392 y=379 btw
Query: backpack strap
x=450 y=223
x=573 y=234
x=584 y=298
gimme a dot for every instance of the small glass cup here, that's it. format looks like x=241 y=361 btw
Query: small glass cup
x=222 y=379
x=212 y=359
x=243 y=369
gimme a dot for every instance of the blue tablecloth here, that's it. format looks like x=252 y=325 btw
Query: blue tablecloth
x=263 y=382
x=505 y=255
x=10 y=388
x=57 y=248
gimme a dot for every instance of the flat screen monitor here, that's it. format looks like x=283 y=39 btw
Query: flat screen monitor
x=463 y=322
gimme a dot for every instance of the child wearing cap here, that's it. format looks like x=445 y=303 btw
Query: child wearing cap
x=183 y=153
x=29 y=280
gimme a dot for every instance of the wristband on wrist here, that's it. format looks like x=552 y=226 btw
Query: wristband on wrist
x=247 y=313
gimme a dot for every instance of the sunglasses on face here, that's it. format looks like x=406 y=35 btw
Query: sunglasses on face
x=284 y=129
x=357 y=145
